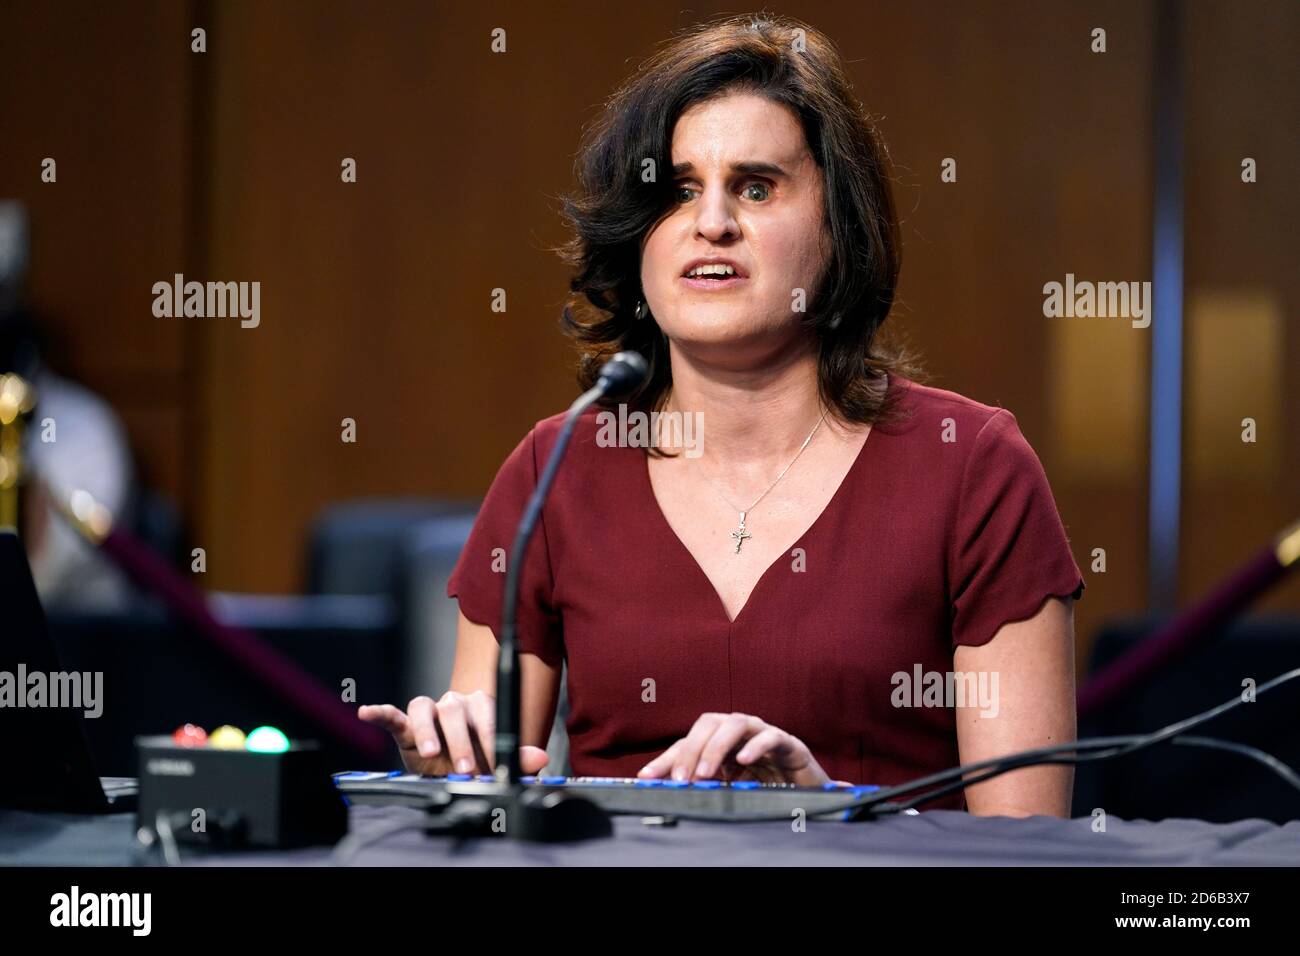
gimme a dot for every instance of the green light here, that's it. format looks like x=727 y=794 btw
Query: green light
x=267 y=740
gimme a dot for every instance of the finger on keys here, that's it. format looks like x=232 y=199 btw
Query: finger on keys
x=729 y=735
x=532 y=759
x=688 y=758
x=483 y=717
x=422 y=713
x=768 y=741
x=660 y=766
x=391 y=719
x=455 y=722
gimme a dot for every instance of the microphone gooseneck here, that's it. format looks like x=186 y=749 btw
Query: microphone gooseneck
x=619 y=376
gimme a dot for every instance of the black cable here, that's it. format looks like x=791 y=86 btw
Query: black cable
x=1107 y=747
x=161 y=837
x=162 y=826
x=1245 y=750
x=1125 y=745
x=1007 y=768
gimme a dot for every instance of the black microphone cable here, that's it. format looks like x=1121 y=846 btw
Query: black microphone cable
x=880 y=802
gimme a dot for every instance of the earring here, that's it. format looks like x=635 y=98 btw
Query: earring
x=641 y=310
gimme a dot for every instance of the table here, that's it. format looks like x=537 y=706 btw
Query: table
x=934 y=838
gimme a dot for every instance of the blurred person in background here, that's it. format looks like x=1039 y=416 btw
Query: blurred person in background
x=74 y=440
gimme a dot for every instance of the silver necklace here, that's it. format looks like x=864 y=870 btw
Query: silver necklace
x=740 y=534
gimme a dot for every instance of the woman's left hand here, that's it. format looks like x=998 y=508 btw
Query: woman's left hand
x=737 y=746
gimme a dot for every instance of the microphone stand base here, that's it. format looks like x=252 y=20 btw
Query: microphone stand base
x=531 y=814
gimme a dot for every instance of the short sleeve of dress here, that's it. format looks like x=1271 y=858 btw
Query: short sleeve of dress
x=1009 y=550
x=478 y=580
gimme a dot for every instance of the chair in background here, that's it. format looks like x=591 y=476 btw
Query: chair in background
x=407 y=548
x=431 y=552
x=357 y=547
x=157 y=522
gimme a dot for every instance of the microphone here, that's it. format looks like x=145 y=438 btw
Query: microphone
x=539 y=815
x=622 y=374
x=618 y=376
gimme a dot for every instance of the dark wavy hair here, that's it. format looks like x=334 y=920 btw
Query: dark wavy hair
x=792 y=64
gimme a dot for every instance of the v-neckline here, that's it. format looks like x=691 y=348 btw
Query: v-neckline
x=643 y=469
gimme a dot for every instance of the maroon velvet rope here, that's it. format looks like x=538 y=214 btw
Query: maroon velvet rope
x=1193 y=628
x=277 y=673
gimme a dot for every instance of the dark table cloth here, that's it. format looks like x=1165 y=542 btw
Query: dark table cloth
x=936 y=838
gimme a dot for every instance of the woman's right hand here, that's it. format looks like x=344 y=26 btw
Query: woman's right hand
x=455 y=734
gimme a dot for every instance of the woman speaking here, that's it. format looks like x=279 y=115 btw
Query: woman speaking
x=843 y=574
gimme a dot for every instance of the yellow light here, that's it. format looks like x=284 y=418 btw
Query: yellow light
x=226 y=737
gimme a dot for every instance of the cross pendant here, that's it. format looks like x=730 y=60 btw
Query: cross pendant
x=740 y=534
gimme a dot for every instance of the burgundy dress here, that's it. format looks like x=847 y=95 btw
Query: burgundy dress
x=943 y=530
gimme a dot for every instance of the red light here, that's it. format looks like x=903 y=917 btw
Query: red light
x=191 y=735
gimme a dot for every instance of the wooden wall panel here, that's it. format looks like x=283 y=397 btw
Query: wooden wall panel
x=375 y=296
x=1242 y=97
x=105 y=91
x=1052 y=144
